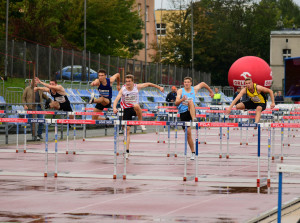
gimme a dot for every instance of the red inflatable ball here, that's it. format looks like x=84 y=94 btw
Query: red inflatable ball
x=254 y=67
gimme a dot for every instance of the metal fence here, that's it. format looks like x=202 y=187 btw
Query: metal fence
x=49 y=62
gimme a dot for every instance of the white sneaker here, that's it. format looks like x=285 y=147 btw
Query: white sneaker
x=193 y=156
x=143 y=127
x=92 y=98
x=126 y=155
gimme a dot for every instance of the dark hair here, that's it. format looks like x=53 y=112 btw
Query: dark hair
x=54 y=80
x=102 y=71
x=248 y=79
x=129 y=76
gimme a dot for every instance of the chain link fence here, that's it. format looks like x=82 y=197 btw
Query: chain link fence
x=52 y=62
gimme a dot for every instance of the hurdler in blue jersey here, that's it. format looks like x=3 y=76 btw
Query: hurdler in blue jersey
x=185 y=101
x=104 y=85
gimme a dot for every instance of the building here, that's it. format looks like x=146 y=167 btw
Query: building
x=150 y=28
x=164 y=26
x=283 y=44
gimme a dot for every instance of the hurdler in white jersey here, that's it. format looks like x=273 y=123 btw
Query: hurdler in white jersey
x=129 y=95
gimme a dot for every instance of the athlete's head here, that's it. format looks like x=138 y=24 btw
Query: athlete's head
x=187 y=82
x=53 y=82
x=129 y=80
x=248 y=83
x=101 y=74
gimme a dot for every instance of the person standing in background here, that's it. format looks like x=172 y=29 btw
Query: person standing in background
x=171 y=97
x=28 y=99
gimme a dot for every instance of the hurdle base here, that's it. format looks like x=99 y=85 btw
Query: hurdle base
x=220 y=156
x=196 y=179
x=45 y=174
x=55 y=175
x=227 y=156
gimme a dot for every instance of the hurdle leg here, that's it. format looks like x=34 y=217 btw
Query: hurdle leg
x=46 y=151
x=269 y=155
x=281 y=144
x=56 y=155
x=68 y=132
x=273 y=143
x=25 y=138
x=227 y=155
x=197 y=145
x=185 y=153
x=168 y=155
x=247 y=133
x=220 y=154
x=115 y=150
x=258 y=159
x=176 y=131
x=74 y=139
x=241 y=135
x=125 y=148
x=17 y=149
x=288 y=136
x=279 y=197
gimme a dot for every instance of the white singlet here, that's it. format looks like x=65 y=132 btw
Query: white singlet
x=129 y=98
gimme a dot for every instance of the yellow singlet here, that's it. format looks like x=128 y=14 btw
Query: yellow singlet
x=255 y=97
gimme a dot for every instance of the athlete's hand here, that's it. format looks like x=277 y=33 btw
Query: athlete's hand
x=161 y=89
x=35 y=89
x=272 y=106
x=211 y=94
x=227 y=111
x=25 y=107
x=115 y=110
x=37 y=80
x=184 y=97
x=118 y=87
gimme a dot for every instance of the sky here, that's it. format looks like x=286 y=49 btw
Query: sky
x=166 y=4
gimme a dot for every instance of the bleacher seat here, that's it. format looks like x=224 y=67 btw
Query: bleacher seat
x=2 y=101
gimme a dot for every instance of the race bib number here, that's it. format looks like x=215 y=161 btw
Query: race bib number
x=186 y=102
x=255 y=99
x=60 y=99
x=104 y=93
x=130 y=99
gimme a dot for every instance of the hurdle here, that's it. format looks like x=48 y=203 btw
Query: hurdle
x=240 y=125
x=281 y=168
x=282 y=126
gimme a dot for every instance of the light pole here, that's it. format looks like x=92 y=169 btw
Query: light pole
x=84 y=45
x=6 y=41
x=146 y=40
x=192 y=37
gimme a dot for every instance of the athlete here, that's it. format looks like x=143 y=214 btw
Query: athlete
x=185 y=101
x=257 y=98
x=61 y=101
x=129 y=95
x=105 y=92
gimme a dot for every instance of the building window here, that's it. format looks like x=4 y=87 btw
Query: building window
x=139 y=9
x=147 y=41
x=286 y=53
x=147 y=13
x=161 y=29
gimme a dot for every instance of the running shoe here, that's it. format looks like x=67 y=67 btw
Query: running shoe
x=193 y=156
x=47 y=104
x=143 y=128
x=92 y=98
x=126 y=155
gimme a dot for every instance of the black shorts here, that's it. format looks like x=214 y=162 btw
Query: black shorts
x=128 y=113
x=185 y=117
x=101 y=107
x=251 y=105
x=65 y=107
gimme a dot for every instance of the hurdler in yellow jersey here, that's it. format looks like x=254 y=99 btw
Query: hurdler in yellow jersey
x=257 y=98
